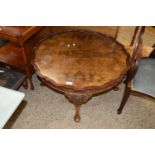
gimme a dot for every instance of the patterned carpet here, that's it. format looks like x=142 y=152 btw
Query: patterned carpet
x=47 y=109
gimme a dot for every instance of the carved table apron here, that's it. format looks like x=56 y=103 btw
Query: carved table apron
x=81 y=63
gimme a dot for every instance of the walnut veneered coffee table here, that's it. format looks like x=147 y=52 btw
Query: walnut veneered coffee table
x=81 y=63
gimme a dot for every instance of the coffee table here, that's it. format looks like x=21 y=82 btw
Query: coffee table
x=80 y=64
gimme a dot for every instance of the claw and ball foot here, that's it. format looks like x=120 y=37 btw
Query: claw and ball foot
x=116 y=88
x=32 y=86
x=77 y=99
x=42 y=84
x=77 y=117
x=25 y=84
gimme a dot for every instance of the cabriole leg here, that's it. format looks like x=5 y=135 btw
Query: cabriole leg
x=78 y=99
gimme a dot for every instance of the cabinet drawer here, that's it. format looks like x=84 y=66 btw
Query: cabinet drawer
x=9 y=32
x=18 y=33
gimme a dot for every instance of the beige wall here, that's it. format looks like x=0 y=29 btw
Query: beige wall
x=124 y=36
x=110 y=30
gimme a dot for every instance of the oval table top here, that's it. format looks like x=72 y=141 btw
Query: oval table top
x=81 y=60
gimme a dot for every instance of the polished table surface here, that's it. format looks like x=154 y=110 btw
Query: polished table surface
x=81 y=62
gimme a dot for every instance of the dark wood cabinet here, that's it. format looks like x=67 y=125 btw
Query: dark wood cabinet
x=18 y=51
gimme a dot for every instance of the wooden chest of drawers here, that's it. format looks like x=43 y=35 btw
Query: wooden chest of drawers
x=18 y=51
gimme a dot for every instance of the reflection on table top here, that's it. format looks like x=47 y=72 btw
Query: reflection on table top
x=81 y=59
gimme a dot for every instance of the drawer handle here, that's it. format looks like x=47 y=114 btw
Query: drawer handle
x=0 y=29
